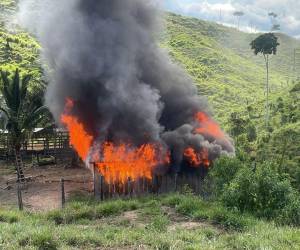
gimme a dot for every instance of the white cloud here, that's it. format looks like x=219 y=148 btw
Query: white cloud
x=256 y=12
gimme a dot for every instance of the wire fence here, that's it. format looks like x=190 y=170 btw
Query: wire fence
x=41 y=193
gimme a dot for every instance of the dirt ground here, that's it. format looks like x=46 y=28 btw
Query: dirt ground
x=43 y=192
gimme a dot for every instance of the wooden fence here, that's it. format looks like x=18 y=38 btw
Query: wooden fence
x=159 y=184
x=54 y=143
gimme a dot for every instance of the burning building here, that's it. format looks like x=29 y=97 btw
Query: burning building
x=127 y=106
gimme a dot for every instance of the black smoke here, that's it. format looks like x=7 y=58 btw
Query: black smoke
x=104 y=54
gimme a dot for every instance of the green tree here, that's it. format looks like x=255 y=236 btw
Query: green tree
x=237 y=126
x=238 y=15
x=22 y=111
x=266 y=44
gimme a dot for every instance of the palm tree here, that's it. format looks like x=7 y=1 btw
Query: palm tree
x=22 y=112
x=266 y=44
x=238 y=15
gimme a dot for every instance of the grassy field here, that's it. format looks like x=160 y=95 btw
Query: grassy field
x=174 y=221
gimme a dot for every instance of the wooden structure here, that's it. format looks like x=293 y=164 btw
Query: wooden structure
x=159 y=184
x=42 y=143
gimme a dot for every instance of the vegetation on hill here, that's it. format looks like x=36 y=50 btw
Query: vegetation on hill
x=17 y=48
x=222 y=64
x=225 y=69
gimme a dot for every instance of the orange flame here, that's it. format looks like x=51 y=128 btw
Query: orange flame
x=122 y=162
x=208 y=127
x=116 y=163
x=196 y=159
x=79 y=138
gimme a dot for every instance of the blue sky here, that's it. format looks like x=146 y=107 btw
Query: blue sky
x=255 y=13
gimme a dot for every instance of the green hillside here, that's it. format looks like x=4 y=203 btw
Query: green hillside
x=221 y=62
x=233 y=78
x=17 y=48
x=217 y=57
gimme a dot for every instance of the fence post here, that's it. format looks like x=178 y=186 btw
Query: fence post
x=129 y=187
x=63 y=197
x=101 y=187
x=94 y=179
x=98 y=183
x=175 y=181
x=156 y=184
x=20 y=201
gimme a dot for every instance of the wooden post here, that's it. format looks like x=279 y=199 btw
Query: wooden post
x=157 y=184
x=133 y=188
x=147 y=183
x=166 y=183
x=195 y=184
x=199 y=185
x=101 y=187
x=143 y=185
x=175 y=181
x=114 y=190
x=19 y=193
x=98 y=184
x=94 y=179
x=63 y=197
x=129 y=187
x=138 y=187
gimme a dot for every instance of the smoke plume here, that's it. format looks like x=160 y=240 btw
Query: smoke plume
x=104 y=55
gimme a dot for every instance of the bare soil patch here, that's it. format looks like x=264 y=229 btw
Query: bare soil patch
x=177 y=221
x=43 y=192
x=181 y=222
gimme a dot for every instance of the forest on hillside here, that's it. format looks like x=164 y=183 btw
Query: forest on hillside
x=253 y=93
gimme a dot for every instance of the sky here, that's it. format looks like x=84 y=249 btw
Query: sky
x=256 y=13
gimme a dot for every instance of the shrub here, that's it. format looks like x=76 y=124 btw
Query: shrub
x=223 y=172
x=290 y=215
x=240 y=193
x=264 y=193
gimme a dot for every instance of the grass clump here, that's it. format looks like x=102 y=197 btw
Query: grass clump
x=115 y=208
x=71 y=214
x=9 y=216
x=72 y=237
x=43 y=240
x=79 y=211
